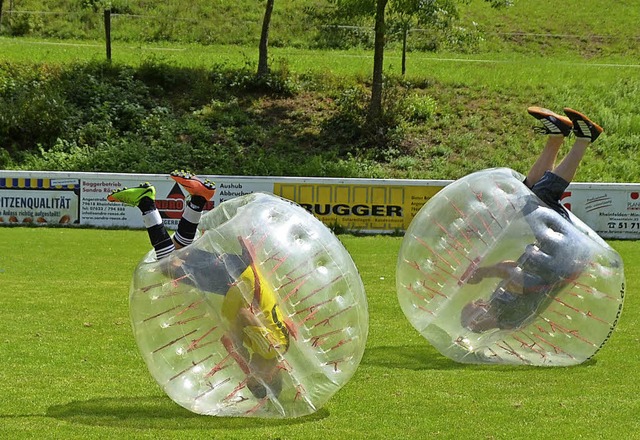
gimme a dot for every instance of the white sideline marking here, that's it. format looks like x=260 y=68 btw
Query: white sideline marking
x=51 y=43
x=461 y=60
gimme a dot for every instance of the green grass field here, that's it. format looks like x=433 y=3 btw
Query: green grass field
x=70 y=368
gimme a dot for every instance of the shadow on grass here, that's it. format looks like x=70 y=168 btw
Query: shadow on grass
x=425 y=357
x=158 y=413
x=408 y=357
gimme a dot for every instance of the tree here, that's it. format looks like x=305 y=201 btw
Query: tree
x=375 y=106
x=263 y=56
x=406 y=14
x=422 y=11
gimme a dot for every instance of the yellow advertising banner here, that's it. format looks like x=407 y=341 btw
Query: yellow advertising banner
x=366 y=207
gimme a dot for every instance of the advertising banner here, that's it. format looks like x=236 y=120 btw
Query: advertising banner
x=361 y=206
x=366 y=205
x=45 y=200
x=611 y=210
x=97 y=211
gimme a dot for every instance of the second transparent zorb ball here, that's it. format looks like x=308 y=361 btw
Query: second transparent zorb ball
x=263 y=315
x=487 y=273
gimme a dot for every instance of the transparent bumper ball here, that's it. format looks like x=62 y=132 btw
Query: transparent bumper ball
x=488 y=273
x=264 y=315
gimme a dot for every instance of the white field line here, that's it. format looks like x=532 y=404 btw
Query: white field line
x=51 y=43
x=453 y=60
x=478 y=60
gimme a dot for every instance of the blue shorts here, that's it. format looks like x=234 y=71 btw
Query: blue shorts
x=550 y=189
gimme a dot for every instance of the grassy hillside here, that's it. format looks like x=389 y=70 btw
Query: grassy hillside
x=178 y=104
x=533 y=27
x=201 y=21
x=446 y=119
x=591 y=28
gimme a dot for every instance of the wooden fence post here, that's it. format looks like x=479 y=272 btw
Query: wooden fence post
x=107 y=31
x=404 y=51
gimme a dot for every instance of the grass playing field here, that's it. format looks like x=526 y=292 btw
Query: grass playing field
x=70 y=369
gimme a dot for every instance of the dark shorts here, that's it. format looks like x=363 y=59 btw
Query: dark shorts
x=208 y=271
x=516 y=310
x=550 y=189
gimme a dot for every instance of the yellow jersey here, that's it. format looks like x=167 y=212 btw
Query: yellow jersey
x=252 y=291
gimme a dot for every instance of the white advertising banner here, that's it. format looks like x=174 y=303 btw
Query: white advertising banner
x=371 y=205
x=97 y=211
x=611 y=210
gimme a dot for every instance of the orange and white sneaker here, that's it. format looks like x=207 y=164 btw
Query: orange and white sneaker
x=193 y=185
x=552 y=123
x=583 y=127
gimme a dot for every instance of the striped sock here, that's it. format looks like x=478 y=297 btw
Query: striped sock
x=188 y=224
x=158 y=235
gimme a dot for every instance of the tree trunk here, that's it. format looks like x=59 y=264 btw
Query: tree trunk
x=263 y=58
x=375 y=106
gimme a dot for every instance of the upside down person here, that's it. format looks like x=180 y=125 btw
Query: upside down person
x=529 y=284
x=257 y=332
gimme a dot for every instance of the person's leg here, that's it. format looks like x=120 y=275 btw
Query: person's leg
x=200 y=193
x=557 y=127
x=143 y=197
x=567 y=168
x=586 y=131
x=546 y=160
x=554 y=183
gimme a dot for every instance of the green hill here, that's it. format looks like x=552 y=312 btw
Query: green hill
x=547 y=26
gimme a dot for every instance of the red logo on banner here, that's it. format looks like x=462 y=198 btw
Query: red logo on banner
x=635 y=195
x=173 y=205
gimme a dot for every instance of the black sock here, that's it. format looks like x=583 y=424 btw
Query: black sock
x=146 y=204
